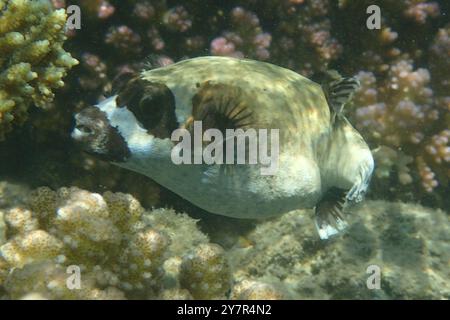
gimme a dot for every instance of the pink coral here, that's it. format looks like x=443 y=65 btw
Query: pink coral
x=124 y=39
x=398 y=113
x=178 y=19
x=96 y=72
x=144 y=10
x=420 y=11
x=245 y=40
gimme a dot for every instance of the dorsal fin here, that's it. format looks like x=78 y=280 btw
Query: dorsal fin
x=338 y=90
x=155 y=61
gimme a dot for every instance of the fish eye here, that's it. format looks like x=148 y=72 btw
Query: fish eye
x=84 y=129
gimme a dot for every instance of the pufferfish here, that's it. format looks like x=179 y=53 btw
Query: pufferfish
x=323 y=162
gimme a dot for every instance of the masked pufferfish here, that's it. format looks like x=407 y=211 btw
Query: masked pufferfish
x=323 y=161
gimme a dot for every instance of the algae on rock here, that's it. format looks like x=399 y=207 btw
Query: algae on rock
x=410 y=244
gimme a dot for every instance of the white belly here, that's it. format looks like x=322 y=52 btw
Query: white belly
x=245 y=193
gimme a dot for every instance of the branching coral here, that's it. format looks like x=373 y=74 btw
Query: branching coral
x=32 y=60
x=119 y=248
x=305 y=41
x=246 y=40
x=401 y=112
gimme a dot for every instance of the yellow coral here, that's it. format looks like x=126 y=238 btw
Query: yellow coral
x=206 y=273
x=119 y=248
x=32 y=60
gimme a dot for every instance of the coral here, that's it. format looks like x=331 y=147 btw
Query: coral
x=420 y=11
x=439 y=62
x=100 y=8
x=124 y=39
x=246 y=40
x=400 y=112
x=125 y=252
x=206 y=273
x=387 y=159
x=119 y=248
x=95 y=72
x=33 y=62
x=177 y=19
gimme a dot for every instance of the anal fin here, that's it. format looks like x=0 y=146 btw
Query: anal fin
x=328 y=216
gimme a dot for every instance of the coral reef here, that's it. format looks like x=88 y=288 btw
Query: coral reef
x=403 y=101
x=32 y=60
x=119 y=248
x=402 y=109
x=401 y=113
x=125 y=252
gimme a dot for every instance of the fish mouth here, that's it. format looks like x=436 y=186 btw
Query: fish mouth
x=80 y=131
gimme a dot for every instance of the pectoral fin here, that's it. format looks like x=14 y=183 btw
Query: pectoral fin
x=329 y=219
x=339 y=90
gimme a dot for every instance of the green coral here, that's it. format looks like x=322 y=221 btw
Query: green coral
x=32 y=60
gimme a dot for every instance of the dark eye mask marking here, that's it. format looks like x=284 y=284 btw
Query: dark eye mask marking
x=153 y=105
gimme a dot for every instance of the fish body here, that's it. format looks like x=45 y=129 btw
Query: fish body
x=321 y=160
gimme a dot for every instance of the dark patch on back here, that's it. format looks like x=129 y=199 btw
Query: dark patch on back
x=222 y=106
x=153 y=105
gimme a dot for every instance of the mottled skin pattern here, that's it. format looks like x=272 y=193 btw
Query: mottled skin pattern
x=314 y=153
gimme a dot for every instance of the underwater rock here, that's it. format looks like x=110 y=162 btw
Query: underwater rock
x=409 y=243
x=12 y=194
x=32 y=60
x=257 y=290
x=2 y=228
